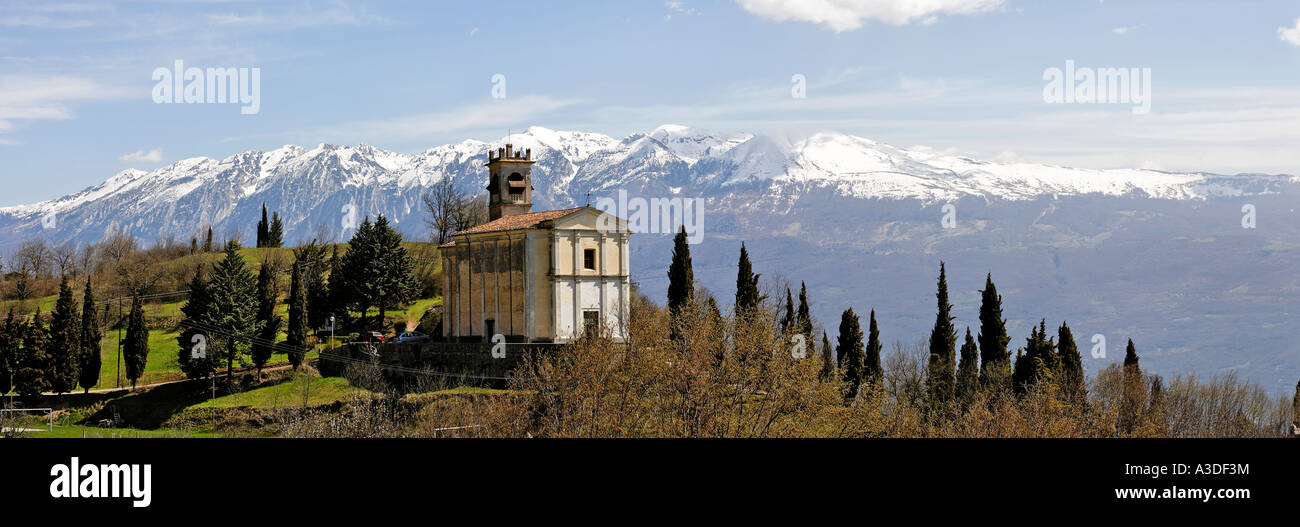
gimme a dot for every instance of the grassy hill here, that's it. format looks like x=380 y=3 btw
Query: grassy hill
x=163 y=316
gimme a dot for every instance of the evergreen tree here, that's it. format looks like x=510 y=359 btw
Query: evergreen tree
x=871 y=361
x=1072 y=378
x=1295 y=404
x=267 y=298
x=296 y=336
x=232 y=310
x=135 y=351
x=747 y=296
x=194 y=245
x=336 y=291
x=311 y=258
x=377 y=271
x=9 y=343
x=941 y=368
x=850 y=348
x=275 y=236
x=195 y=329
x=263 y=229
x=30 y=378
x=63 y=354
x=828 y=362
x=995 y=359
x=787 y=319
x=90 y=337
x=681 y=281
x=803 y=318
x=968 y=376
x=207 y=242
x=1131 y=403
x=1039 y=362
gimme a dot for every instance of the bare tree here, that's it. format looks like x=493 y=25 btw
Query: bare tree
x=65 y=258
x=443 y=205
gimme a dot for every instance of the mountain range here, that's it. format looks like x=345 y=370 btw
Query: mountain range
x=1159 y=257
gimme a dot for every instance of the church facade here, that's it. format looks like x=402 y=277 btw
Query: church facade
x=543 y=276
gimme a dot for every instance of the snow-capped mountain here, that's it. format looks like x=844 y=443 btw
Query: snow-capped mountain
x=1160 y=257
x=309 y=187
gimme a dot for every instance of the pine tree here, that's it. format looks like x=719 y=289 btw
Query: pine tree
x=1295 y=405
x=871 y=361
x=314 y=266
x=968 y=376
x=850 y=348
x=275 y=237
x=681 y=282
x=803 y=318
x=995 y=359
x=232 y=309
x=941 y=368
x=336 y=291
x=90 y=337
x=195 y=331
x=207 y=242
x=263 y=229
x=828 y=362
x=63 y=355
x=377 y=271
x=267 y=298
x=194 y=245
x=135 y=351
x=787 y=319
x=1072 y=378
x=30 y=378
x=747 y=296
x=296 y=336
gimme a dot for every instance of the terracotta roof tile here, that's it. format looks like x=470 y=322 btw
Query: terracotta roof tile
x=517 y=221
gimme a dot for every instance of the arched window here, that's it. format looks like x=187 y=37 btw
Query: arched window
x=516 y=183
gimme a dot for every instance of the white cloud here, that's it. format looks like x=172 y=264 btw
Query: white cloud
x=1290 y=34
x=847 y=15
x=1124 y=30
x=473 y=32
x=47 y=97
x=140 y=156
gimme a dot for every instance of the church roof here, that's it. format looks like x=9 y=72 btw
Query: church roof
x=515 y=221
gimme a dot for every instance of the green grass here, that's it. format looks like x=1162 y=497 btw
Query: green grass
x=74 y=431
x=318 y=391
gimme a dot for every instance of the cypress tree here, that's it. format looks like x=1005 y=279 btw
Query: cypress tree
x=747 y=296
x=871 y=361
x=196 y=329
x=681 y=277
x=296 y=334
x=803 y=318
x=135 y=352
x=263 y=229
x=30 y=378
x=89 y=340
x=336 y=290
x=267 y=297
x=1072 y=376
x=941 y=369
x=681 y=281
x=275 y=236
x=314 y=266
x=828 y=362
x=995 y=359
x=63 y=354
x=207 y=242
x=850 y=348
x=787 y=319
x=1295 y=405
x=1131 y=402
x=968 y=376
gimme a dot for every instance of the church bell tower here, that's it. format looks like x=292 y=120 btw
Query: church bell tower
x=510 y=182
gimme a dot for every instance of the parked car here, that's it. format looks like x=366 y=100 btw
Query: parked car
x=410 y=337
x=372 y=336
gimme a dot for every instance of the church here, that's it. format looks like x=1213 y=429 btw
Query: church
x=534 y=276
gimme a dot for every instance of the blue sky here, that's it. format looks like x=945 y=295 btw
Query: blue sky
x=959 y=75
